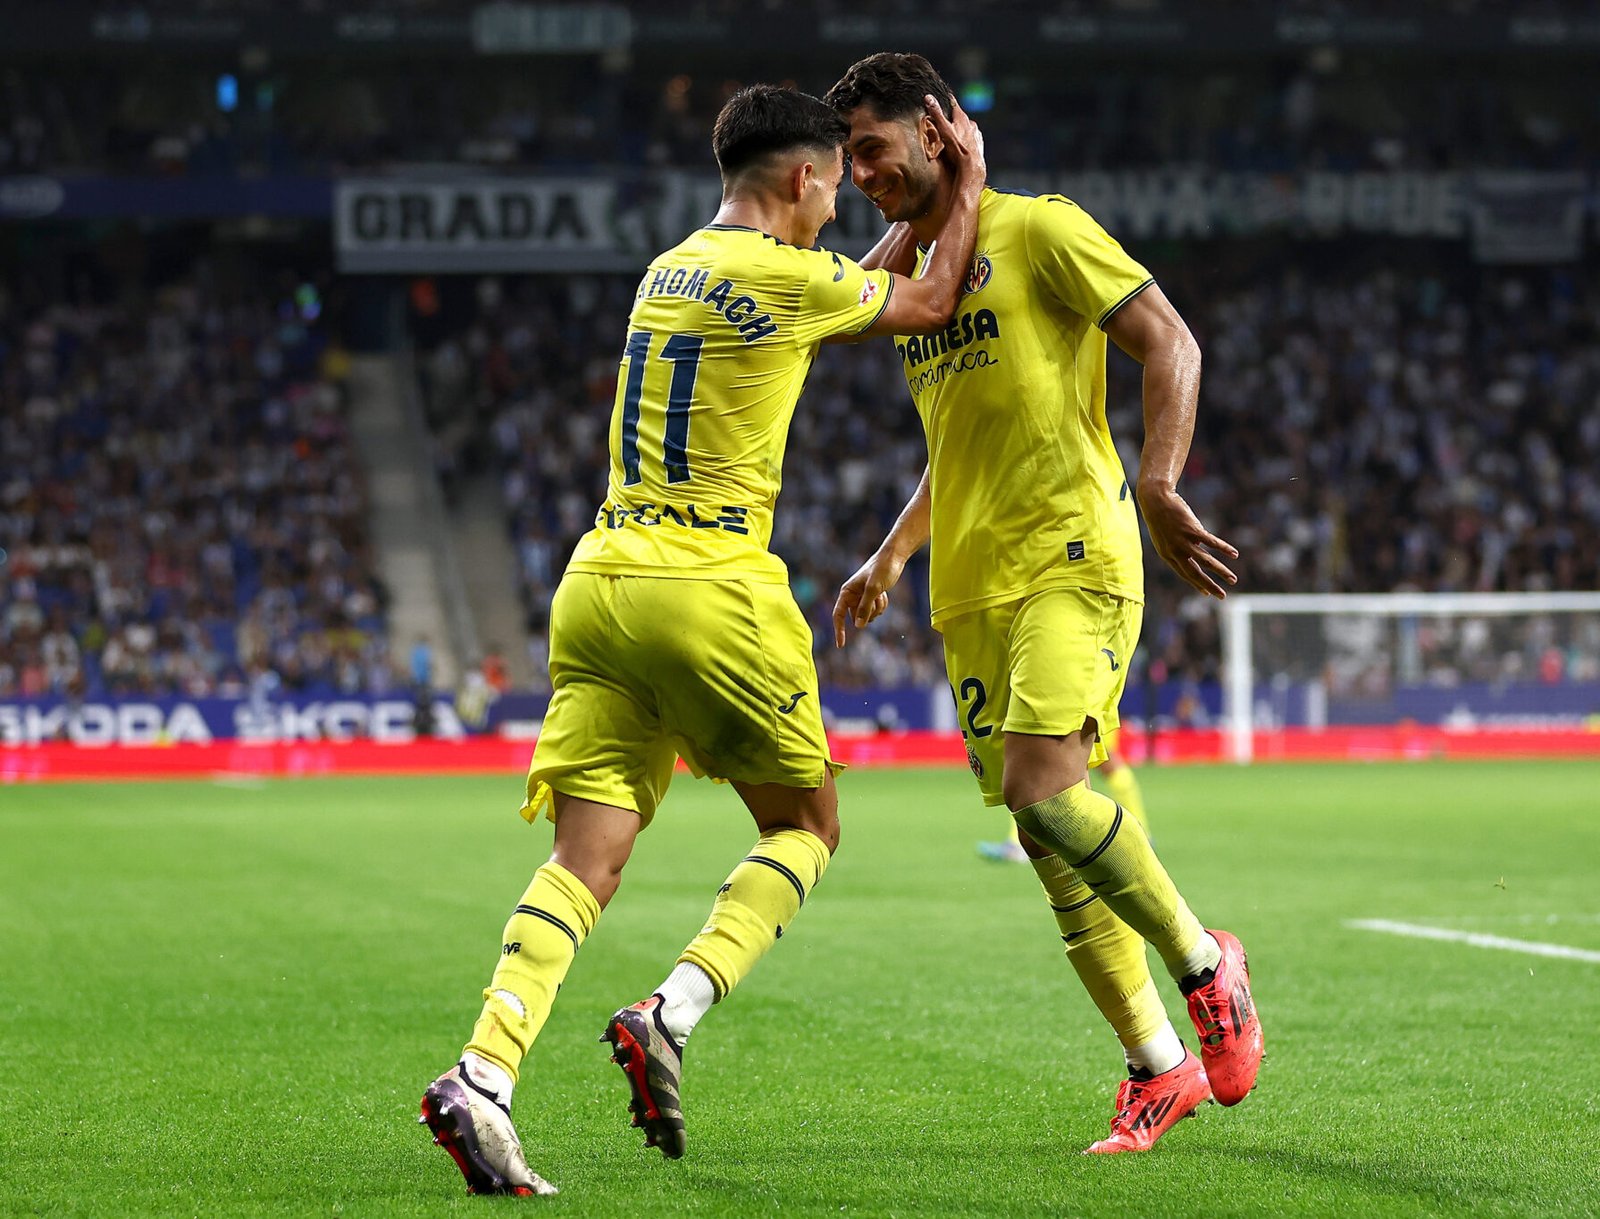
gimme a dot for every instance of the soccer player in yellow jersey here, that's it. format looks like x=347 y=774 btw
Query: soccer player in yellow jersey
x=1036 y=571
x=673 y=631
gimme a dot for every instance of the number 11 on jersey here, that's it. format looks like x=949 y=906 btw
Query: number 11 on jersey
x=683 y=352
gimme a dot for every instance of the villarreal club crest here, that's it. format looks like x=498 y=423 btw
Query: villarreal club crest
x=981 y=272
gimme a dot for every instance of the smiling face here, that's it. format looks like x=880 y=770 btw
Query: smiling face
x=893 y=163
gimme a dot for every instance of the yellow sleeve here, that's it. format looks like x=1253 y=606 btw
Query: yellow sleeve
x=840 y=296
x=1080 y=263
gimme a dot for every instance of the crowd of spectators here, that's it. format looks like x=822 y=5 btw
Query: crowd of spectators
x=181 y=512
x=180 y=509
x=1316 y=110
x=1392 y=428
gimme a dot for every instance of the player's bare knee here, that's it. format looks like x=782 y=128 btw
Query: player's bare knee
x=827 y=829
x=818 y=815
x=593 y=841
x=1022 y=785
x=1038 y=767
x=779 y=807
x=600 y=875
x=605 y=888
x=1017 y=790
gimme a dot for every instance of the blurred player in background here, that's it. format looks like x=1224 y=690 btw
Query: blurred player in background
x=673 y=631
x=1119 y=781
x=1036 y=572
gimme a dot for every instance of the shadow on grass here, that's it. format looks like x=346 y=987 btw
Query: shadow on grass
x=1449 y=1189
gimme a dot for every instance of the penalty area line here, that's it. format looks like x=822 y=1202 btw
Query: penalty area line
x=1475 y=939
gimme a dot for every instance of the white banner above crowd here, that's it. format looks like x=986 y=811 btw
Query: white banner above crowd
x=439 y=224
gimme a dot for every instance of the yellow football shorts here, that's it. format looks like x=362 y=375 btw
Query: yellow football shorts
x=647 y=669
x=1043 y=665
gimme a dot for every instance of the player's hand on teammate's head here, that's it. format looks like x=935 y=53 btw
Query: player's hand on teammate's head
x=1185 y=545
x=962 y=138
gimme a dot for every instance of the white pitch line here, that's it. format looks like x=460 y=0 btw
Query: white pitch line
x=1474 y=938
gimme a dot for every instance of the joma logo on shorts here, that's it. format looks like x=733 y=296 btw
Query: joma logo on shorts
x=794 y=701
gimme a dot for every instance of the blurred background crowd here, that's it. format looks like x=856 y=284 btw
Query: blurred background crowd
x=179 y=502
x=299 y=118
x=182 y=509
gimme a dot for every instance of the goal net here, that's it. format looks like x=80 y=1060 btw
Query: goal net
x=1410 y=673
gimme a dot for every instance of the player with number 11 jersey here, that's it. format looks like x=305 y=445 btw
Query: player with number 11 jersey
x=723 y=332
x=673 y=632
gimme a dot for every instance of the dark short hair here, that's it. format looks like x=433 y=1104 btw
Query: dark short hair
x=892 y=83
x=762 y=119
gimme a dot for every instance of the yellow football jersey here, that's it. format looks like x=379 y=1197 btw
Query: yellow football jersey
x=1028 y=490
x=723 y=330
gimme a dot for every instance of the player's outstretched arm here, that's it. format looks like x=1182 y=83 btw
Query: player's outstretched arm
x=1149 y=329
x=865 y=595
x=926 y=305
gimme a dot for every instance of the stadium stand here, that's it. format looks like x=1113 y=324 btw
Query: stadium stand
x=1378 y=412
x=179 y=506
x=1235 y=115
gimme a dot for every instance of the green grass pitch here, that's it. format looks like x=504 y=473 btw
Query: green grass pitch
x=221 y=999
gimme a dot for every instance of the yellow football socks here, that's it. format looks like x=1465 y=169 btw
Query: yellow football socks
x=758 y=900
x=554 y=917
x=1107 y=954
x=1109 y=850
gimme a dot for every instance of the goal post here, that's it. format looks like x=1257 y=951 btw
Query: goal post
x=1314 y=662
